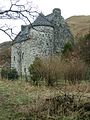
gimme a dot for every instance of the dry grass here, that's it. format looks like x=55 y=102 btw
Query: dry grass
x=18 y=99
x=79 y=25
x=54 y=68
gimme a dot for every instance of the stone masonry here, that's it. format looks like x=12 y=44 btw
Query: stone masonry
x=48 y=36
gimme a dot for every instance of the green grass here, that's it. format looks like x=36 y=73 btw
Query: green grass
x=13 y=96
x=19 y=99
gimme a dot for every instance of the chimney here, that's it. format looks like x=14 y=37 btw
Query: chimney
x=57 y=11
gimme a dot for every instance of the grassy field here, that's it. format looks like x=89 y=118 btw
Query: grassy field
x=19 y=100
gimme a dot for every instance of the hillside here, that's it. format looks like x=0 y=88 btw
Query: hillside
x=79 y=25
x=5 y=54
x=5 y=45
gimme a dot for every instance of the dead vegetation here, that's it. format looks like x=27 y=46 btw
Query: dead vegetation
x=79 y=25
x=21 y=100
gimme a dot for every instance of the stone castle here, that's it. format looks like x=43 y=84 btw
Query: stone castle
x=46 y=36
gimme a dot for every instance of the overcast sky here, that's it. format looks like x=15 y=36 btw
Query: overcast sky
x=68 y=8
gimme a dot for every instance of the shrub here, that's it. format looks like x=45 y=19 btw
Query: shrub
x=35 y=71
x=48 y=69
x=75 y=71
x=87 y=74
x=68 y=47
x=52 y=69
x=4 y=73
x=83 y=48
x=10 y=74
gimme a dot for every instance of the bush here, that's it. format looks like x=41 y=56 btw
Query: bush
x=4 y=73
x=10 y=74
x=87 y=74
x=75 y=71
x=68 y=47
x=83 y=48
x=48 y=69
x=53 y=69
x=35 y=71
x=71 y=70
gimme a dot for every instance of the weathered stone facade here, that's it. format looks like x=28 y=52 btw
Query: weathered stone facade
x=47 y=36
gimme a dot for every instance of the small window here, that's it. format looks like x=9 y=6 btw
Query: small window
x=47 y=43
x=24 y=69
x=49 y=37
x=42 y=35
x=14 y=58
x=22 y=55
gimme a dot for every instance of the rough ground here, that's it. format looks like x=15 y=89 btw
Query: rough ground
x=20 y=100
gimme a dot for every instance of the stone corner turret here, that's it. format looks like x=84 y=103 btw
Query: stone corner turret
x=57 y=11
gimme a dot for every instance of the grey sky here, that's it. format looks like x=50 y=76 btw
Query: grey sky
x=68 y=8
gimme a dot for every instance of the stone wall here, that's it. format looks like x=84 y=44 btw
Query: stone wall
x=40 y=44
x=40 y=41
x=62 y=33
x=15 y=56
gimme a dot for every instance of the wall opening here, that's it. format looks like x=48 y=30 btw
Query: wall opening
x=14 y=58
x=22 y=55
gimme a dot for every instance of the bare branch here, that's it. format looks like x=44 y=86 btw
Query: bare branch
x=6 y=33
x=16 y=11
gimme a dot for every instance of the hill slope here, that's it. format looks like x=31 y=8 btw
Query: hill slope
x=5 y=45
x=79 y=25
x=5 y=54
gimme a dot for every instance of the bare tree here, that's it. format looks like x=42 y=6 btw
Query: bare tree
x=16 y=11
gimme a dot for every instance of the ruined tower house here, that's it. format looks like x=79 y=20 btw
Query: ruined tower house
x=48 y=36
